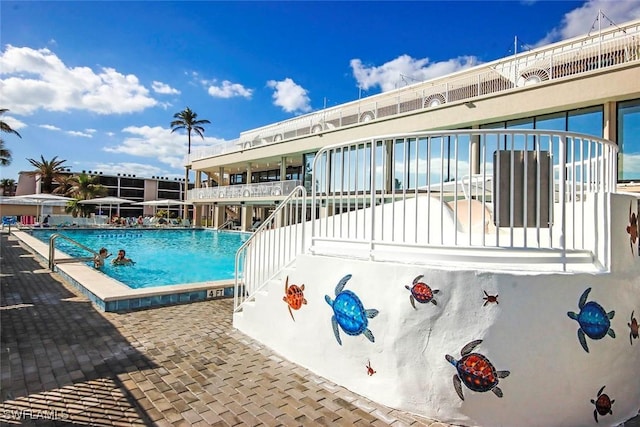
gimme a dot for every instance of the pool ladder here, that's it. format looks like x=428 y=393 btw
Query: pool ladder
x=52 y=252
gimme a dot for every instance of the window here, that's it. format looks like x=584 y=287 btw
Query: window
x=131 y=193
x=238 y=178
x=307 y=165
x=132 y=182
x=169 y=185
x=629 y=140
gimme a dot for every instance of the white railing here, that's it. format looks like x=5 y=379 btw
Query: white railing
x=609 y=48
x=273 y=246
x=243 y=191
x=447 y=195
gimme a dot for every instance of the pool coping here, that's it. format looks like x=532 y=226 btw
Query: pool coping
x=113 y=296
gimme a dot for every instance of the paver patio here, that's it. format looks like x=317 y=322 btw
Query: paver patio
x=181 y=365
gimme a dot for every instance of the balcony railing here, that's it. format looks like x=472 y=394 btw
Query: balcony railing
x=243 y=191
x=481 y=195
x=610 y=48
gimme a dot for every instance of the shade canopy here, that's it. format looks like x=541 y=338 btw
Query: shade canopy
x=42 y=199
x=162 y=203
x=105 y=201
x=110 y=200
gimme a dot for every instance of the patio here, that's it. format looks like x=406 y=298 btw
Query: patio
x=63 y=359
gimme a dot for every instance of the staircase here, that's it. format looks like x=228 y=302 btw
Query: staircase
x=263 y=259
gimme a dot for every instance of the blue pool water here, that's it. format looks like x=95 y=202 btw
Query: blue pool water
x=162 y=257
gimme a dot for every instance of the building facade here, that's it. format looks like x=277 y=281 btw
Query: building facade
x=126 y=186
x=587 y=84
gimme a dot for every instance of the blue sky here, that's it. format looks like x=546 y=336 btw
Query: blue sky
x=97 y=83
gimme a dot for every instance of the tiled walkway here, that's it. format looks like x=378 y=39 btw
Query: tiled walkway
x=180 y=365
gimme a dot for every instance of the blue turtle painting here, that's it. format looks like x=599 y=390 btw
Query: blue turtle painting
x=594 y=321
x=349 y=313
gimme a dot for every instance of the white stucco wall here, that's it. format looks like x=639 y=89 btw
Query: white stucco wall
x=552 y=378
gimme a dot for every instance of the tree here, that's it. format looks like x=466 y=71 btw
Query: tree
x=49 y=171
x=65 y=184
x=188 y=120
x=5 y=153
x=82 y=187
x=7 y=185
x=87 y=187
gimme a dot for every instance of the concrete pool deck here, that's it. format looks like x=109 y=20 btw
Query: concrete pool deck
x=179 y=365
x=109 y=294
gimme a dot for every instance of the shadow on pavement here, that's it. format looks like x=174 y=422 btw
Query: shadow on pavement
x=60 y=359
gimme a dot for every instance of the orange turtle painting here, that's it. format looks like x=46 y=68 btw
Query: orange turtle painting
x=370 y=370
x=294 y=297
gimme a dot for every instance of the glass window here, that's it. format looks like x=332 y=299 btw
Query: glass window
x=132 y=182
x=552 y=122
x=169 y=185
x=110 y=181
x=293 y=172
x=238 y=178
x=307 y=165
x=167 y=194
x=629 y=140
x=129 y=193
x=589 y=121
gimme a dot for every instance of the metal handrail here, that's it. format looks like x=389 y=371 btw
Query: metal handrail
x=52 y=250
x=413 y=191
x=278 y=254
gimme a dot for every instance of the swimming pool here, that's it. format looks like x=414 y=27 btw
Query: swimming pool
x=162 y=257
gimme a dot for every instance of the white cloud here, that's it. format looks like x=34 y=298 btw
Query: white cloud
x=164 y=88
x=159 y=143
x=78 y=133
x=49 y=127
x=406 y=70
x=88 y=133
x=583 y=19
x=14 y=123
x=38 y=79
x=291 y=97
x=229 y=90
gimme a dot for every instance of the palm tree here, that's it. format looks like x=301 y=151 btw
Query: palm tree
x=188 y=120
x=5 y=153
x=82 y=187
x=7 y=185
x=49 y=171
x=87 y=187
x=65 y=184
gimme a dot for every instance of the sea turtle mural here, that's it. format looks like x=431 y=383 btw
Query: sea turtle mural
x=293 y=296
x=421 y=292
x=594 y=321
x=634 y=328
x=632 y=228
x=370 y=370
x=603 y=404
x=349 y=313
x=475 y=371
x=493 y=299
